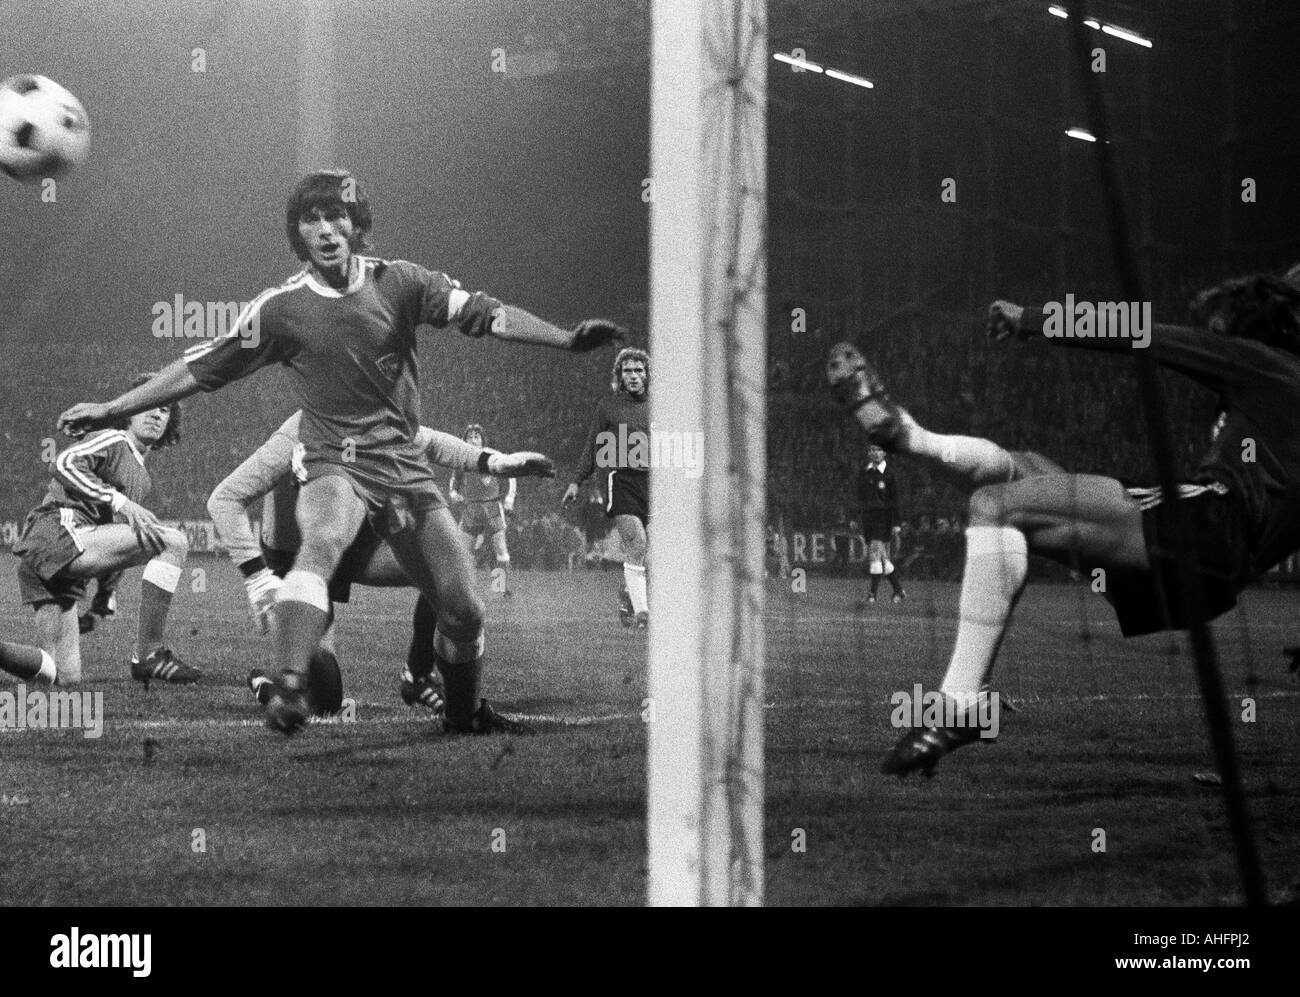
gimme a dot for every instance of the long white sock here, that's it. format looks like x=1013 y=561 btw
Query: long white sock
x=968 y=459
x=634 y=578
x=997 y=562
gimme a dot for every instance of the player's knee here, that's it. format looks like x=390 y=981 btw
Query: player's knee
x=460 y=615
x=988 y=506
x=322 y=551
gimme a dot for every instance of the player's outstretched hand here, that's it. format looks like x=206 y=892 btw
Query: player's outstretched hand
x=524 y=464
x=570 y=496
x=82 y=418
x=595 y=332
x=148 y=531
x=1004 y=320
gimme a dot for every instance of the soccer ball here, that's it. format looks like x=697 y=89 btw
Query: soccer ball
x=44 y=131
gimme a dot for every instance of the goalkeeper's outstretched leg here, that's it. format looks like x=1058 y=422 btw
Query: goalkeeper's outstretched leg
x=965 y=461
x=1018 y=502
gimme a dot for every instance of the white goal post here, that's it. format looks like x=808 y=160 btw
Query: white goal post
x=708 y=220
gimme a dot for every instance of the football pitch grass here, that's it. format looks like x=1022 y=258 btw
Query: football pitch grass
x=187 y=800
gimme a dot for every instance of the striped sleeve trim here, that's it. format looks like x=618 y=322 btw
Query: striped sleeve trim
x=85 y=483
x=244 y=318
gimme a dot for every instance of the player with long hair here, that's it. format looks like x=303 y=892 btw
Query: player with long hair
x=72 y=537
x=1241 y=507
x=618 y=442
x=345 y=327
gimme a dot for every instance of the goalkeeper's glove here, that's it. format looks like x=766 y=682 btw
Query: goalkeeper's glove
x=595 y=332
x=524 y=464
x=1004 y=321
x=262 y=587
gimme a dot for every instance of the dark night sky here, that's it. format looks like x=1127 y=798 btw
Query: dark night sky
x=529 y=188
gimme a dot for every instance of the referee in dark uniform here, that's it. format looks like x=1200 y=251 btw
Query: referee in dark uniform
x=878 y=496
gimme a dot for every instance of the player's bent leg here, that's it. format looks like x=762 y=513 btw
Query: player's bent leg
x=111 y=548
x=966 y=461
x=330 y=514
x=1087 y=517
x=631 y=533
x=437 y=560
x=1062 y=516
x=32 y=664
x=421 y=684
x=441 y=566
x=108 y=549
x=60 y=637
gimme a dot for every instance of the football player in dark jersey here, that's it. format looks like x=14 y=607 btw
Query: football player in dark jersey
x=619 y=442
x=72 y=537
x=345 y=328
x=1241 y=507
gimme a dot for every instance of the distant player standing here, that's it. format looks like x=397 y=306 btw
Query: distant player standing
x=878 y=494
x=71 y=537
x=485 y=508
x=619 y=442
x=345 y=327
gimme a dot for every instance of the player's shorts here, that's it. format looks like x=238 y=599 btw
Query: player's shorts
x=354 y=561
x=483 y=517
x=878 y=561
x=1216 y=522
x=49 y=543
x=627 y=493
x=390 y=508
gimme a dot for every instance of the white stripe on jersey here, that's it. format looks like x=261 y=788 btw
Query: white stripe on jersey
x=1149 y=498
x=87 y=485
x=245 y=316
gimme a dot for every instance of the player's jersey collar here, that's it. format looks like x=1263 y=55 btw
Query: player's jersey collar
x=364 y=264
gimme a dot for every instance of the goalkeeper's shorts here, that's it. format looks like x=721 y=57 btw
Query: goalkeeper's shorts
x=1215 y=522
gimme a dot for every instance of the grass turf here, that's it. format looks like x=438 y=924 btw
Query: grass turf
x=1108 y=736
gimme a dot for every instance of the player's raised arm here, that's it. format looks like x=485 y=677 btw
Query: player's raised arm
x=170 y=384
x=517 y=325
x=442 y=302
x=452 y=452
x=1229 y=349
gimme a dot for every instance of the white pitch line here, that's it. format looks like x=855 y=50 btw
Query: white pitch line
x=214 y=723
